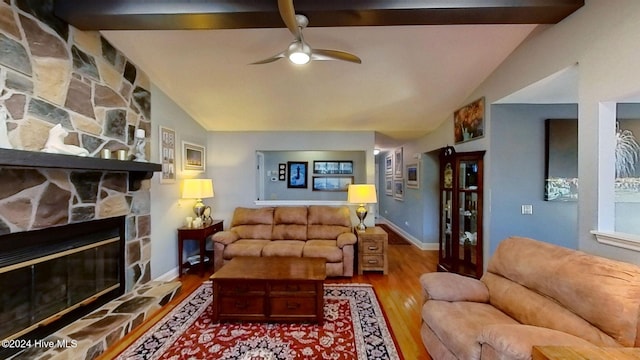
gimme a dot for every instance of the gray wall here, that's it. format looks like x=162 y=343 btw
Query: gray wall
x=168 y=210
x=518 y=149
x=278 y=190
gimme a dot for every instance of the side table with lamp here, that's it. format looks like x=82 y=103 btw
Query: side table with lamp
x=372 y=241
x=202 y=225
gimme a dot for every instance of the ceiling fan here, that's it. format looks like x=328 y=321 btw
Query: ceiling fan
x=299 y=52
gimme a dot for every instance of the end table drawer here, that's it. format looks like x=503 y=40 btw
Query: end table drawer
x=372 y=247
x=372 y=261
x=247 y=305
x=293 y=306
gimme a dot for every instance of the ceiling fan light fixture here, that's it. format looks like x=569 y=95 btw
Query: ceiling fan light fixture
x=299 y=58
x=299 y=53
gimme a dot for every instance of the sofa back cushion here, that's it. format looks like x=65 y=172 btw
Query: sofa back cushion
x=603 y=292
x=253 y=223
x=327 y=222
x=290 y=223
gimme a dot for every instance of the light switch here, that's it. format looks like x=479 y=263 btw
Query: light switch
x=527 y=209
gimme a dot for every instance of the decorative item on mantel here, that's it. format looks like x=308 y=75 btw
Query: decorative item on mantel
x=362 y=194
x=139 y=146
x=55 y=143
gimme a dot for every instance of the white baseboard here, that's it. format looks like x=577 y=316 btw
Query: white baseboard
x=169 y=275
x=413 y=240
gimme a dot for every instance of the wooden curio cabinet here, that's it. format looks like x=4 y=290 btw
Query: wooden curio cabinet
x=460 y=243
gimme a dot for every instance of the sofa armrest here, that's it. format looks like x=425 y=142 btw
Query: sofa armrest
x=346 y=239
x=453 y=287
x=225 y=237
x=515 y=341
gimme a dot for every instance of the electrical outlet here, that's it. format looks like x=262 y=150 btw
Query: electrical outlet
x=527 y=209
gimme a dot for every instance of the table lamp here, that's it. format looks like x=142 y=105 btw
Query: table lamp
x=197 y=189
x=362 y=194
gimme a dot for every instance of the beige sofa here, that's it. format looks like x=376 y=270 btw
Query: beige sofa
x=533 y=293
x=313 y=231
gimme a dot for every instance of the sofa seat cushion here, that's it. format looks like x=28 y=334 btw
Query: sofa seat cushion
x=283 y=248
x=245 y=247
x=460 y=324
x=515 y=342
x=327 y=249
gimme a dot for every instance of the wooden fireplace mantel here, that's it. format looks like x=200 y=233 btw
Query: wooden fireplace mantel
x=138 y=171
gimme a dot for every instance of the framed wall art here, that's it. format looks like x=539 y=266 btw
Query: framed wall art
x=333 y=167
x=388 y=164
x=332 y=183
x=398 y=189
x=468 y=122
x=413 y=176
x=561 y=160
x=397 y=164
x=167 y=155
x=388 y=185
x=297 y=172
x=193 y=156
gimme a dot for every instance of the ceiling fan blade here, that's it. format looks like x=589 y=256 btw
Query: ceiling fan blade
x=288 y=15
x=269 y=60
x=322 y=54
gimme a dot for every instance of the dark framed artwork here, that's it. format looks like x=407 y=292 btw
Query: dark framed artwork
x=561 y=160
x=297 y=174
x=332 y=183
x=333 y=167
x=468 y=122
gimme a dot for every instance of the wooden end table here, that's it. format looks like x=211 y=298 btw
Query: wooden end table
x=199 y=234
x=372 y=250
x=280 y=289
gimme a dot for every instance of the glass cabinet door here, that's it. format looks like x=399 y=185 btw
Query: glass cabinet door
x=460 y=245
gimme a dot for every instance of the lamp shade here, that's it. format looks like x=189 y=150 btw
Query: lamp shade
x=197 y=189
x=362 y=194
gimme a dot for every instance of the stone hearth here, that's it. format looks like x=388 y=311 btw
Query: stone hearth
x=88 y=337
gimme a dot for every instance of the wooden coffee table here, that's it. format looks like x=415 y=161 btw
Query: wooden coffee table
x=278 y=289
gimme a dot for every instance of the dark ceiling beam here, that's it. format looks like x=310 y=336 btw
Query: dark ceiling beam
x=242 y=14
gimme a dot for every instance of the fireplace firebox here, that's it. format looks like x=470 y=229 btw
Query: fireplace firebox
x=50 y=277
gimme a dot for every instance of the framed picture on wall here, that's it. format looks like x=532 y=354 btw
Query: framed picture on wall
x=397 y=164
x=468 y=122
x=167 y=155
x=388 y=164
x=193 y=156
x=331 y=183
x=388 y=185
x=398 y=189
x=297 y=172
x=413 y=176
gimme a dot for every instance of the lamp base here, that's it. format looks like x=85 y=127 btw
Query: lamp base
x=361 y=213
x=198 y=208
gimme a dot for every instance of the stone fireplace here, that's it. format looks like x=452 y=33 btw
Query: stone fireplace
x=54 y=74
x=53 y=276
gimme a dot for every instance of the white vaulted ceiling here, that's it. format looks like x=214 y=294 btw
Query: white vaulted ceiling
x=410 y=80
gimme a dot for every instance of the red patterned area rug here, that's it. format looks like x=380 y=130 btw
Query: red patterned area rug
x=354 y=328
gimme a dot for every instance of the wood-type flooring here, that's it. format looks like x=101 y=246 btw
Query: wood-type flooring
x=399 y=293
